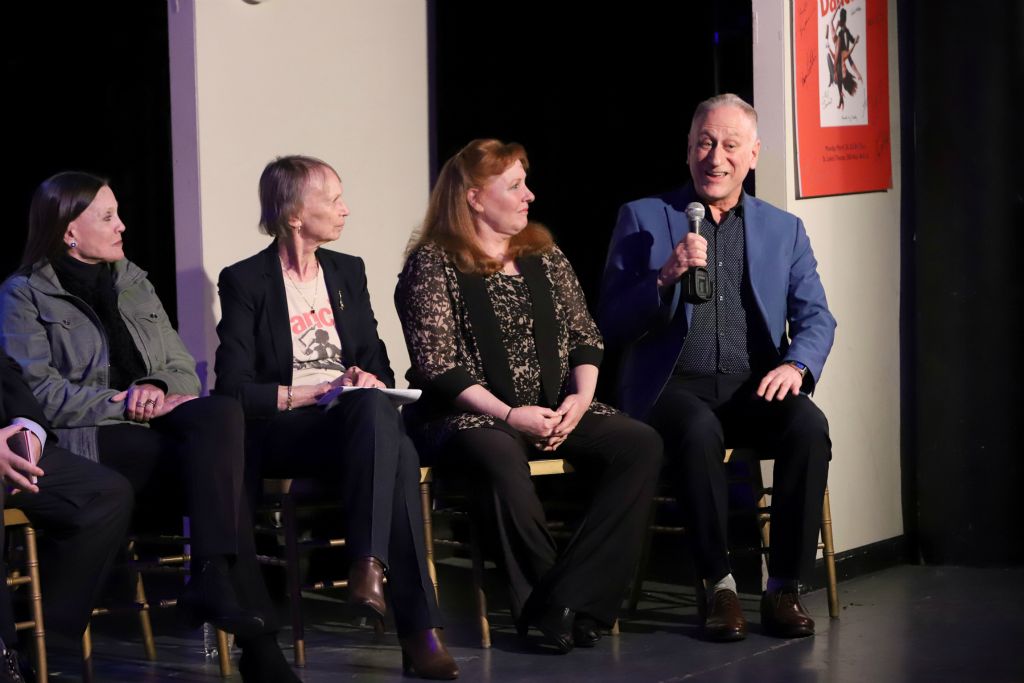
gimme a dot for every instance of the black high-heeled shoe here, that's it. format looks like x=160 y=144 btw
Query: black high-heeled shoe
x=209 y=597
x=263 y=662
x=424 y=654
x=585 y=632
x=555 y=624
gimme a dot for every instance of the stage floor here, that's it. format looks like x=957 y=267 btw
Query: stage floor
x=908 y=623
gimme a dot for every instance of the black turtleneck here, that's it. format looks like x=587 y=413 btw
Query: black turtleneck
x=94 y=284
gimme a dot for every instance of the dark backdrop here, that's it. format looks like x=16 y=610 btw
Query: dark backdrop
x=86 y=88
x=963 y=468
x=602 y=102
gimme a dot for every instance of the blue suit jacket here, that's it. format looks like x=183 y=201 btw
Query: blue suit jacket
x=652 y=326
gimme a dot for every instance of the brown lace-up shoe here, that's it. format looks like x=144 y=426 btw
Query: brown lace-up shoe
x=783 y=616
x=725 y=621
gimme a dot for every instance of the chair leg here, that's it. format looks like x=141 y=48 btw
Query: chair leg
x=763 y=517
x=87 y=673
x=144 y=621
x=478 y=585
x=829 y=555
x=35 y=592
x=428 y=534
x=292 y=574
x=636 y=590
x=223 y=654
x=700 y=595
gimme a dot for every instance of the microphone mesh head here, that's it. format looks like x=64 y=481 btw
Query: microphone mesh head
x=695 y=211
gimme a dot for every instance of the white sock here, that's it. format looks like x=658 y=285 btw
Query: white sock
x=726 y=583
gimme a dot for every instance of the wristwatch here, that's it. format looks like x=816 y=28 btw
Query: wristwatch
x=799 y=366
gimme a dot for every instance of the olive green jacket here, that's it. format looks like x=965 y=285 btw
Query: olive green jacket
x=62 y=348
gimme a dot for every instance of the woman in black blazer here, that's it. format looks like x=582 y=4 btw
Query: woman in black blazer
x=297 y=323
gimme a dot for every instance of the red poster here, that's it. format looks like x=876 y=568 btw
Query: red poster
x=841 y=86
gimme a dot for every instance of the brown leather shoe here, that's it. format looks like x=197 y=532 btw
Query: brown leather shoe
x=366 y=587
x=424 y=654
x=725 y=621
x=783 y=616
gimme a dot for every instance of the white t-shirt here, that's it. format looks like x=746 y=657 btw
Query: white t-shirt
x=316 y=347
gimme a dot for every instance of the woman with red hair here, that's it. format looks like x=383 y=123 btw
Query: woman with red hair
x=507 y=354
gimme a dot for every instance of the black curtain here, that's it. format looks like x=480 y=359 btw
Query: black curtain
x=86 y=87
x=961 y=80
x=601 y=100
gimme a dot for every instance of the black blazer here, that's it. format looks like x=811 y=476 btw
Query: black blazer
x=16 y=399
x=255 y=352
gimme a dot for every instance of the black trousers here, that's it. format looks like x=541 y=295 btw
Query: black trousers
x=81 y=512
x=199 y=447
x=359 y=449
x=621 y=455
x=702 y=416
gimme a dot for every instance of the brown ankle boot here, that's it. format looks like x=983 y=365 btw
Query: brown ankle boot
x=366 y=587
x=424 y=654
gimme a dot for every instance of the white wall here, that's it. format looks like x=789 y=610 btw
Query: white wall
x=856 y=239
x=342 y=80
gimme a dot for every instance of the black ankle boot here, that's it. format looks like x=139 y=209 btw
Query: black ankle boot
x=10 y=666
x=585 y=632
x=263 y=662
x=555 y=624
x=209 y=597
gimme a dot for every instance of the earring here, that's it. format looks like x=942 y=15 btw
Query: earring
x=73 y=244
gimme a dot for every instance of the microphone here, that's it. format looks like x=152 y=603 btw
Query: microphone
x=697 y=284
x=695 y=212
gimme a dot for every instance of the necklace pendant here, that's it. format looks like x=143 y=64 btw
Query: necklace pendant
x=312 y=311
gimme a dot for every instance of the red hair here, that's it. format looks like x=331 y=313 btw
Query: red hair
x=449 y=221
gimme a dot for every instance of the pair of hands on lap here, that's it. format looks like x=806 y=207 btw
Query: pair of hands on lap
x=142 y=403
x=546 y=428
x=308 y=394
x=145 y=402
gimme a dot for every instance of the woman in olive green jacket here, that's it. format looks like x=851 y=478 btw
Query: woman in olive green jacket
x=118 y=386
x=65 y=354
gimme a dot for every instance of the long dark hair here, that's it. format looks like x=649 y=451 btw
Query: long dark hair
x=59 y=200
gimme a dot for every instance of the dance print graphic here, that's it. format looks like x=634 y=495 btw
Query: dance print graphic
x=842 y=65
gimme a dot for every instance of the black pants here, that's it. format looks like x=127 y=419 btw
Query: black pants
x=360 y=450
x=699 y=418
x=81 y=512
x=199 y=447
x=591 y=574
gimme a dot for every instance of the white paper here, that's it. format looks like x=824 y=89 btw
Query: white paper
x=399 y=397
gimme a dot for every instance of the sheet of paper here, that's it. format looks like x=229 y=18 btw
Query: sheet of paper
x=399 y=397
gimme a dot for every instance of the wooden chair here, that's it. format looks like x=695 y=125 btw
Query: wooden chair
x=176 y=562
x=538 y=468
x=284 y=507
x=763 y=519
x=16 y=519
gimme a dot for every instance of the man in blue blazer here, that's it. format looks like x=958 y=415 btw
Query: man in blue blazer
x=731 y=371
